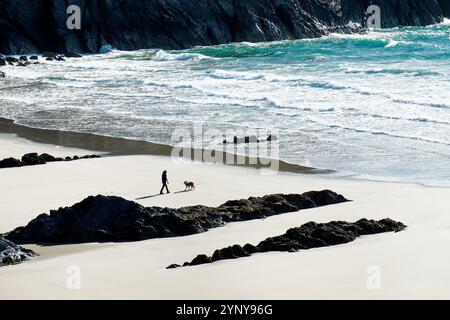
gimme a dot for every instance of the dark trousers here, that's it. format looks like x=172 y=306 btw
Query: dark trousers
x=164 y=186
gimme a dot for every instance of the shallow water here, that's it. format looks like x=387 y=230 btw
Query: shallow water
x=373 y=106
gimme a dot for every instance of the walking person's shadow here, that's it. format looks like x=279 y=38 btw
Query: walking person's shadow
x=148 y=197
x=159 y=194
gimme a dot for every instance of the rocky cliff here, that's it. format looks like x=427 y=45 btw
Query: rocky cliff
x=445 y=6
x=40 y=25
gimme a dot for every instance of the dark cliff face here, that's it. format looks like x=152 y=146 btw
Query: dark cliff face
x=40 y=25
x=445 y=5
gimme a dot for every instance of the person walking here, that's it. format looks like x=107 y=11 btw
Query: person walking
x=165 y=182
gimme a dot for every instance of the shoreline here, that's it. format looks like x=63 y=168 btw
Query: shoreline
x=114 y=146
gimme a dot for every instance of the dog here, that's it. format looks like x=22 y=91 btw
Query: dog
x=189 y=185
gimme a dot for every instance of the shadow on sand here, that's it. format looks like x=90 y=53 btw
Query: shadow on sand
x=159 y=194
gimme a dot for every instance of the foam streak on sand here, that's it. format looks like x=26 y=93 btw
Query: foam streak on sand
x=413 y=263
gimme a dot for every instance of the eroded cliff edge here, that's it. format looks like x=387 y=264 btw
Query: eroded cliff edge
x=40 y=25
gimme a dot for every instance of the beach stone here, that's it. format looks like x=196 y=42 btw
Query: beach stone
x=47 y=157
x=31 y=159
x=2 y=74
x=11 y=253
x=200 y=259
x=34 y=58
x=10 y=163
x=35 y=159
x=23 y=58
x=308 y=236
x=3 y=62
x=106 y=218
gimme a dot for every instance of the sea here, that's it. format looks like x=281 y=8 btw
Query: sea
x=372 y=106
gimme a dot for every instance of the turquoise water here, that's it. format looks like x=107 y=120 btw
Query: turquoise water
x=374 y=106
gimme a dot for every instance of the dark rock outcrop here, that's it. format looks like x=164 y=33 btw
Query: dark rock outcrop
x=13 y=254
x=177 y=24
x=31 y=159
x=308 y=236
x=102 y=218
x=445 y=6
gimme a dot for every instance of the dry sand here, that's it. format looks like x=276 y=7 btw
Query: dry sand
x=412 y=264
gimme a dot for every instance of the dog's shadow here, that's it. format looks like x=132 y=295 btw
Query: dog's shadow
x=183 y=191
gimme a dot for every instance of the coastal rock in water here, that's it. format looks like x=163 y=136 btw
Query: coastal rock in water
x=308 y=236
x=13 y=254
x=2 y=74
x=103 y=218
x=180 y=24
x=11 y=59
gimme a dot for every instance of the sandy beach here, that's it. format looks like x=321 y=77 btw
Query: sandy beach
x=412 y=263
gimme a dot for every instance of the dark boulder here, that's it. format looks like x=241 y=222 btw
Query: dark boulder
x=12 y=59
x=2 y=74
x=31 y=159
x=10 y=163
x=246 y=139
x=13 y=254
x=23 y=58
x=103 y=218
x=23 y=63
x=308 y=236
x=232 y=252
x=34 y=58
x=3 y=62
x=200 y=259
x=47 y=157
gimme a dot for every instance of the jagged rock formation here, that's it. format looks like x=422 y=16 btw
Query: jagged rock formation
x=40 y=25
x=13 y=254
x=102 y=218
x=309 y=235
x=31 y=159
